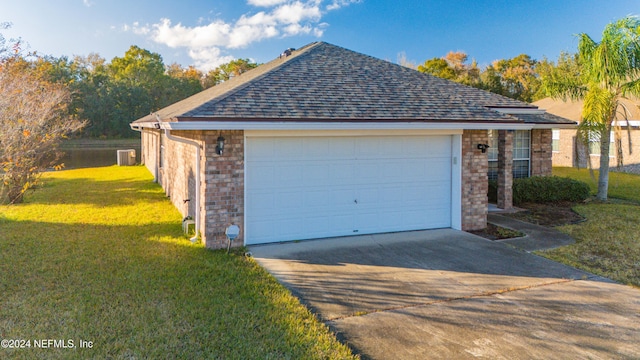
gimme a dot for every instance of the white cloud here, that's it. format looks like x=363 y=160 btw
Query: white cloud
x=296 y=12
x=297 y=29
x=265 y=3
x=87 y=3
x=337 y=4
x=208 y=43
x=208 y=58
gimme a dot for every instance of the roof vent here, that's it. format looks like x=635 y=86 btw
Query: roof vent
x=287 y=52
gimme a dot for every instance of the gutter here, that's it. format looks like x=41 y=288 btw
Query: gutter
x=167 y=132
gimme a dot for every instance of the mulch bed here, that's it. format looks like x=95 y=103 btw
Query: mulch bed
x=549 y=215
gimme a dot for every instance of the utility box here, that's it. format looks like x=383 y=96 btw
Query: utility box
x=126 y=157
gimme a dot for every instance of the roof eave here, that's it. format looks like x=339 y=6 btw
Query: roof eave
x=344 y=125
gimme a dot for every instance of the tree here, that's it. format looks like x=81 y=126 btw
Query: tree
x=438 y=67
x=183 y=82
x=453 y=67
x=226 y=71
x=33 y=120
x=610 y=70
x=515 y=78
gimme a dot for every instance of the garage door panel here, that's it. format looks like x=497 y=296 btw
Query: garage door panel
x=266 y=174
x=313 y=187
x=292 y=149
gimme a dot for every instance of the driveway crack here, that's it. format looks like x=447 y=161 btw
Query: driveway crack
x=451 y=299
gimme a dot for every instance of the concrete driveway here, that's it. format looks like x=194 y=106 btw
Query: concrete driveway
x=445 y=294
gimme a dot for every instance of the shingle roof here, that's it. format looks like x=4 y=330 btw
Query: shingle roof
x=324 y=82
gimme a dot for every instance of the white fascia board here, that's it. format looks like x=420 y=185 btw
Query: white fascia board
x=289 y=125
x=515 y=111
x=554 y=126
x=633 y=123
x=358 y=132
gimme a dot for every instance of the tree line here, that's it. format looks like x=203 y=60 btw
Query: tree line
x=601 y=73
x=110 y=95
x=44 y=99
x=519 y=78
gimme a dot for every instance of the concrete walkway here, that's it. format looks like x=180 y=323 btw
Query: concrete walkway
x=537 y=237
x=446 y=294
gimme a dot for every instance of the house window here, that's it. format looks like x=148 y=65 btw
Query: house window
x=521 y=151
x=594 y=143
x=555 y=140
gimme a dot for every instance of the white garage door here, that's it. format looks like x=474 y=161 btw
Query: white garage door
x=313 y=187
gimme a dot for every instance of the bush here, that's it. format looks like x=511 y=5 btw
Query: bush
x=548 y=189
x=543 y=189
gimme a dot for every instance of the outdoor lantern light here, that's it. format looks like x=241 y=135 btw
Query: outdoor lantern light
x=232 y=232
x=220 y=146
x=483 y=147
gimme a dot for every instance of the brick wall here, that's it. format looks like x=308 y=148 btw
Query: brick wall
x=568 y=155
x=178 y=172
x=541 y=163
x=224 y=194
x=505 y=169
x=221 y=185
x=149 y=149
x=474 y=180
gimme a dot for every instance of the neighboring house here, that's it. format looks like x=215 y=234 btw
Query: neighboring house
x=569 y=151
x=324 y=142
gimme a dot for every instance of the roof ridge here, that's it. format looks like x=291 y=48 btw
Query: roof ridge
x=227 y=88
x=325 y=82
x=277 y=63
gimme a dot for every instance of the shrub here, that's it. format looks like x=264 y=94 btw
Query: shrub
x=548 y=189
x=543 y=189
x=493 y=191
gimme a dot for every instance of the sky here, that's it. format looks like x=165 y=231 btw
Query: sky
x=208 y=33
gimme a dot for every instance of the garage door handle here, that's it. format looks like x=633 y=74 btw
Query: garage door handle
x=355 y=201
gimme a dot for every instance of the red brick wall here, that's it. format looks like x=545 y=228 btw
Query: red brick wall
x=474 y=180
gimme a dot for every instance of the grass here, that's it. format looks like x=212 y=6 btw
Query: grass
x=621 y=185
x=608 y=243
x=98 y=255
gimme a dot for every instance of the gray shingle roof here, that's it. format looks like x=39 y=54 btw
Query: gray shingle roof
x=324 y=82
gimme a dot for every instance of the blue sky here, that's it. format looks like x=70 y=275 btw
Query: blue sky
x=208 y=33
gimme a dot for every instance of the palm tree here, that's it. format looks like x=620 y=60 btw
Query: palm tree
x=609 y=70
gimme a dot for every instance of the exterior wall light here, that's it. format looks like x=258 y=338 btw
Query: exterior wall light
x=220 y=145
x=483 y=147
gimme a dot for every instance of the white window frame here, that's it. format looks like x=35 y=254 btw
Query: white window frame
x=493 y=152
x=594 y=143
x=555 y=140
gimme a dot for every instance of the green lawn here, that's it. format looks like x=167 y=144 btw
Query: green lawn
x=608 y=243
x=621 y=185
x=98 y=255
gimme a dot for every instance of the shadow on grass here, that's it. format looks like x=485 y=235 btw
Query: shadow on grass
x=144 y=291
x=102 y=193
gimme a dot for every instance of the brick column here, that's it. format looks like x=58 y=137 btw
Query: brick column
x=541 y=163
x=475 y=185
x=505 y=169
x=224 y=188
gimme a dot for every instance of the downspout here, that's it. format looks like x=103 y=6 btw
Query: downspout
x=167 y=132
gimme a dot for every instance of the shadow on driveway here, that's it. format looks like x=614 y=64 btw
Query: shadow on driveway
x=445 y=293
